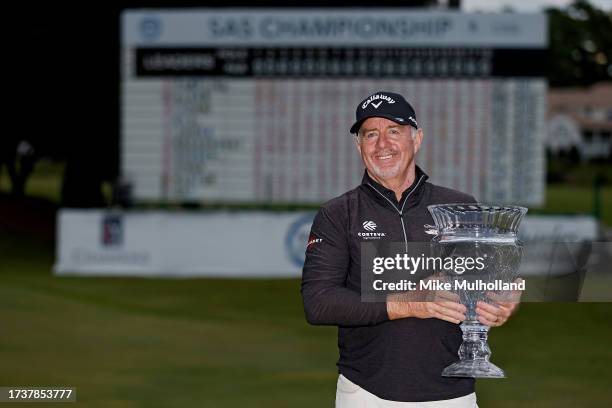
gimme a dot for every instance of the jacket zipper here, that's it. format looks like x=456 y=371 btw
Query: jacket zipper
x=400 y=211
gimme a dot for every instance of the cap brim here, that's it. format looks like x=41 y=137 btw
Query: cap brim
x=357 y=125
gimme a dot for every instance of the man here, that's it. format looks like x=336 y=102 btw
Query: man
x=391 y=353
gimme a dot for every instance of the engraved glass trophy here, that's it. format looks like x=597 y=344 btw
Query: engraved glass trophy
x=488 y=233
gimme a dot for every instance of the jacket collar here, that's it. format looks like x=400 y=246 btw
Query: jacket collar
x=387 y=197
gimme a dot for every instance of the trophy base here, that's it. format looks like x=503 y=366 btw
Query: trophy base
x=474 y=369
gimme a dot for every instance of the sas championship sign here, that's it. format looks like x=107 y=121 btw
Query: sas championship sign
x=253 y=105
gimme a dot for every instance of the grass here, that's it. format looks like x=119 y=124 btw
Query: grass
x=45 y=181
x=571 y=199
x=126 y=342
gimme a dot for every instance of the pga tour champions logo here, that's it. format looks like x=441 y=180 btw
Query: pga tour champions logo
x=112 y=230
x=371 y=233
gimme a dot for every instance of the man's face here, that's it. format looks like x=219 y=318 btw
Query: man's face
x=387 y=148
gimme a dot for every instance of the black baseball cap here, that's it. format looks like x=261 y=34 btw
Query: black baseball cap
x=387 y=105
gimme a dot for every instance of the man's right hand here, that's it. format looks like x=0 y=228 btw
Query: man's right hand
x=435 y=304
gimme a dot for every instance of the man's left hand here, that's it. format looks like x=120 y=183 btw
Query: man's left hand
x=498 y=313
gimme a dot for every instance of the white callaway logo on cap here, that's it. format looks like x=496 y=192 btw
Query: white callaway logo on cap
x=375 y=97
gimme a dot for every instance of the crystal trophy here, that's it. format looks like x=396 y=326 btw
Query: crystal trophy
x=488 y=233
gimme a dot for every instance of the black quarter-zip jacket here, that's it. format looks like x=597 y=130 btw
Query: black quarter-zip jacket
x=397 y=360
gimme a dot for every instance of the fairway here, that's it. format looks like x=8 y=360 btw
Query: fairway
x=232 y=343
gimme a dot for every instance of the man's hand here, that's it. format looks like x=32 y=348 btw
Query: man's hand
x=438 y=304
x=498 y=313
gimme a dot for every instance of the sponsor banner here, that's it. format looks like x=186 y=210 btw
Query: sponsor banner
x=228 y=244
x=96 y=242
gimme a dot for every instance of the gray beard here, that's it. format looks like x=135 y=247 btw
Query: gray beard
x=386 y=173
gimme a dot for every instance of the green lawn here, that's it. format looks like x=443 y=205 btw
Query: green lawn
x=45 y=181
x=233 y=343
x=571 y=199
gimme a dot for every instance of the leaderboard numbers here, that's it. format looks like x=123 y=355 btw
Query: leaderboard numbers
x=372 y=62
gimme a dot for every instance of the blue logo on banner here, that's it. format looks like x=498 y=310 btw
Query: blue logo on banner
x=150 y=28
x=296 y=238
x=112 y=230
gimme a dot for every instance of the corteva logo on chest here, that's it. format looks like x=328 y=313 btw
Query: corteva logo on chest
x=370 y=226
x=375 y=97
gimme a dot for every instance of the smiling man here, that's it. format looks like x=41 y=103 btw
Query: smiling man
x=391 y=353
x=387 y=149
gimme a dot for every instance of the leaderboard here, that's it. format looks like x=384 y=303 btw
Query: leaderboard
x=253 y=106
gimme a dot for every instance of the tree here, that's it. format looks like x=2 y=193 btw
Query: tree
x=580 y=45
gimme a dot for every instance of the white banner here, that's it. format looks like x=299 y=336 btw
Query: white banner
x=96 y=242
x=220 y=244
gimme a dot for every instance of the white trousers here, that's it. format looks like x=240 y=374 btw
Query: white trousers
x=350 y=395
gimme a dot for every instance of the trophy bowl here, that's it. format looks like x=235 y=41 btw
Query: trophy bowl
x=487 y=233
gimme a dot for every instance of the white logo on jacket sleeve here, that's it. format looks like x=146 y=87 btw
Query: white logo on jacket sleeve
x=313 y=240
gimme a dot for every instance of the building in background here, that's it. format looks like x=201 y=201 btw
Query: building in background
x=581 y=118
